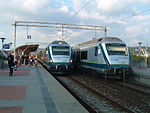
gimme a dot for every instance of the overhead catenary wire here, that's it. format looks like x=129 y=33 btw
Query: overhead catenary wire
x=78 y=11
x=131 y=5
x=133 y=15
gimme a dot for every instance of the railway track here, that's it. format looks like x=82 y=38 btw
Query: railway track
x=123 y=108
x=99 y=96
x=119 y=98
x=90 y=109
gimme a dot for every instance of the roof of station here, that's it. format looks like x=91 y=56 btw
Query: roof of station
x=27 y=49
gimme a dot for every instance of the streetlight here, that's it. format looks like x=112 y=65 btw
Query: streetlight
x=140 y=43
x=10 y=44
x=2 y=42
x=140 y=50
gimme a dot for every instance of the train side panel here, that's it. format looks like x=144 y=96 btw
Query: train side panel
x=94 y=59
x=58 y=57
x=107 y=55
x=61 y=59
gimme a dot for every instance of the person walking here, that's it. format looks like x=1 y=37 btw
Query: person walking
x=11 y=64
x=22 y=59
x=26 y=59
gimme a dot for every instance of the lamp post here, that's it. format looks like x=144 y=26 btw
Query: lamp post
x=10 y=44
x=140 y=43
x=2 y=42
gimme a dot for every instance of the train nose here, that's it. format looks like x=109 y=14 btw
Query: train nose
x=62 y=67
x=119 y=71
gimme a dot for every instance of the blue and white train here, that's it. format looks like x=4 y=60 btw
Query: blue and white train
x=57 y=57
x=105 y=55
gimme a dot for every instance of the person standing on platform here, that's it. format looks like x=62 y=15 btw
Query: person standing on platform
x=26 y=59
x=22 y=59
x=11 y=64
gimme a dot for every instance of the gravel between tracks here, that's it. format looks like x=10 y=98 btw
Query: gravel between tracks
x=135 y=101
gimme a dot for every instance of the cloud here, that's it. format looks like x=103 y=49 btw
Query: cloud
x=138 y=30
x=64 y=9
x=1 y=34
x=107 y=5
x=143 y=17
x=43 y=37
x=33 y=5
x=147 y=2
x=111 y=13
x=134 y=31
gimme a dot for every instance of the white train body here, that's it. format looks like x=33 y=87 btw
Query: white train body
x=108 y=54
x=57 y=57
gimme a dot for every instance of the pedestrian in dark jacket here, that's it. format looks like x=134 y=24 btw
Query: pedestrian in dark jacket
x=11 y=63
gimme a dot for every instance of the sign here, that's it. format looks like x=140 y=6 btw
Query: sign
x=28 y=36
x=6 y=46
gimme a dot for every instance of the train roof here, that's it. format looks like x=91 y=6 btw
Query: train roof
x=104 y=39
x=59 y=43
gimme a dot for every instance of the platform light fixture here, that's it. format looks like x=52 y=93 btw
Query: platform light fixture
x=2 y=38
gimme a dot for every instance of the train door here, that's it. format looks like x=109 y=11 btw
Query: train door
x=78 y=57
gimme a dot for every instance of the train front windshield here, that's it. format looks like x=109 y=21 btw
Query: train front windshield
x=116 y=49
x=60 y=50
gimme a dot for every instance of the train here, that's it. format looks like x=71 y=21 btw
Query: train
x=107 y=55
x=57 y=57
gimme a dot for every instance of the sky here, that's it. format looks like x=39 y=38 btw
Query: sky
x=125 y=19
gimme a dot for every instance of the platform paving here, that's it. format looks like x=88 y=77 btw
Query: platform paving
x=141 y=71
x=33 y=90
x=142 y=75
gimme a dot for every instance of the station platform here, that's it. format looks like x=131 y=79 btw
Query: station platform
x=142 y=75
x=33 y=90
x=141 y=71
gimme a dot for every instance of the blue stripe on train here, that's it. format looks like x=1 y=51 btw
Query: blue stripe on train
x=60 y=63
x=90 y=64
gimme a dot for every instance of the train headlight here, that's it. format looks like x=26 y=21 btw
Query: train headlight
x=51 y=61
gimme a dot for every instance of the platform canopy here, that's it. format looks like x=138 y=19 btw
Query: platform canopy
x=27 y=49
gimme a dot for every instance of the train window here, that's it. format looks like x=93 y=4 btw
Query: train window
x=60 y=50
x=78 y=56
x=83 y=54
x=99 y=51
x=116 y=49
x=96 y=51
x=74 y=55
